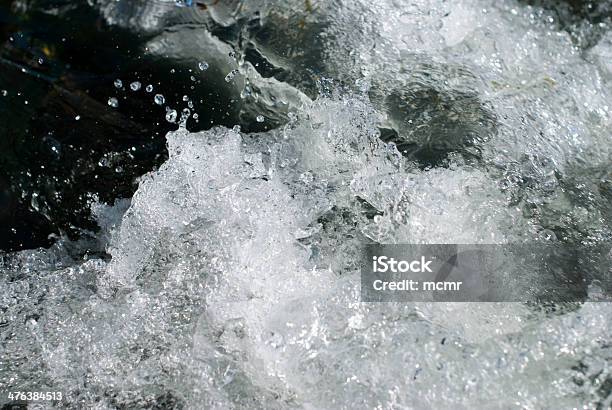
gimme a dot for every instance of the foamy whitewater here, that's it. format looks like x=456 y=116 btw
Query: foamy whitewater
x=233 y=276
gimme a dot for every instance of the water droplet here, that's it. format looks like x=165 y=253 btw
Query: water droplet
x=135 y=86
x=230 y=76
x=203 y=65
x=159 y=99
x=246 y=92
x=34 y=202
x=185 y=115
x=113 y=102
x=260 y=118
x=118 y=83
x=149 y=88
x=171 y=116
x=78 y=117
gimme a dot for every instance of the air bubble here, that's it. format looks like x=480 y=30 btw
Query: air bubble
x=113 y=102
x=185 y=115
x=260 y=118
x=149 y=88
x=159 y=99
x=203 y=65
x=118 y=83
x=171 y=115
x=135 y=86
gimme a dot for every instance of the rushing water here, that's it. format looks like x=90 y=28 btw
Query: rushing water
x=233 y=279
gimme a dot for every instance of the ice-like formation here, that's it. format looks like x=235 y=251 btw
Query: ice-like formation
x=495 y=83
x=233 y=275
x=224 y=287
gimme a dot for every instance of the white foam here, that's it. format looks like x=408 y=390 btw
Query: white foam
x=233 y=280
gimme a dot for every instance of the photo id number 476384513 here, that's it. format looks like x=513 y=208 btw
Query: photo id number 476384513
x=35 y=395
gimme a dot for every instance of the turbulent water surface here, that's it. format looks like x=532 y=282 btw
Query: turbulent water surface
x=230 y=279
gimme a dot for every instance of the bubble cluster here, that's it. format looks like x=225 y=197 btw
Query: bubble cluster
x=231 y=75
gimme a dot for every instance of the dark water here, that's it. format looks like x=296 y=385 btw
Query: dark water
x=58 y=60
